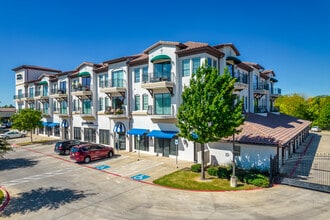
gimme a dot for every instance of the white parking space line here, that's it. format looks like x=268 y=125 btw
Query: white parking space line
x=40 y=176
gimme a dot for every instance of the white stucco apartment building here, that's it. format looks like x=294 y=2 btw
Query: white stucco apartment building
x=131 y=103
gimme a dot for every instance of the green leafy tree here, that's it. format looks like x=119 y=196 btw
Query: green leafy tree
x=4 y=147
x=208 y=112
x=294 y=105
x=27 y=120
x=323 y=119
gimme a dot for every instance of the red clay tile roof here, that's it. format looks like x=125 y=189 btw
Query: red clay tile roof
x=178 y=44
x=140 y=60
x=271 y=130
x=268 y=72
x=230 y=45
x=196 y=47
x=35 y=68
x=255 y=65
x=245 y=67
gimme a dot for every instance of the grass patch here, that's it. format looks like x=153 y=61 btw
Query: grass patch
x=186 y=179
x=2 y=196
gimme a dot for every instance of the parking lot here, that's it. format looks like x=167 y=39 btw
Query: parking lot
x=44 y=185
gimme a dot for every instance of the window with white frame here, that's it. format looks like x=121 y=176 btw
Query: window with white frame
x=145 y=74
x=145 y=101
x=186 y=67
x=137 y=75
x=101 y=106
x=196 y=62
x=137 y=103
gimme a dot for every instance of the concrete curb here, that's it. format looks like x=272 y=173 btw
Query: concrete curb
x=6 y=200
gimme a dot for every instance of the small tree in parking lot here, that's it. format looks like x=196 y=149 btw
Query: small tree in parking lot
x=208 y=111
x=27 y=120
x=4 y=147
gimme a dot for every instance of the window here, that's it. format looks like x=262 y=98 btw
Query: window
x=145 y=74
x=145 y=101
x=31 y=92
x=20 y=93
x=54 y=106
x=143 y=144
x=106 y=102
x=86 y=82
x=196 y=62
x=117 y=102
x=86 y=106
x=45 y=108
x=45 y=90
x=209 y=62
x=137 y=102
x=104 y=136
x=163 y=104
x=77 y=133
x=137 y=75
x=63 y=108
x=186 y=67
x=90 y=135
x=19 y=76
x=57 y=131
x=106 y=80
x=101 y=81
x=162 y=71
x=215 y=64
x=63 y=86
x=118 y=78
x=101 y=107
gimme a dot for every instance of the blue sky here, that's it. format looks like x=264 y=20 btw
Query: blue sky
x=290 y=37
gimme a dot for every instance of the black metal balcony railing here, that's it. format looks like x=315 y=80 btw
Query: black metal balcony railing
x=158 y=77
x=20 y=96
x=114 y=83
x=58 y=91
x=242 y=79
x=260 y=86
x=120 y=110
x=81 y=88
x=41 y=93
x=276 y=91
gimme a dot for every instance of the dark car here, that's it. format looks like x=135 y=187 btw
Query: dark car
x=63 y=147
x=88 y=152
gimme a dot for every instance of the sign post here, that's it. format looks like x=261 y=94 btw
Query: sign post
x=139 y=146
x=176 y=144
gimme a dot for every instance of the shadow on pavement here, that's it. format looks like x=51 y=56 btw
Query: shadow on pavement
x=41 y=198
x=9 y=164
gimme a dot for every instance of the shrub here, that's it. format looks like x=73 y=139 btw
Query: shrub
x=213 y=171
x=224 y=172
x=257 y=180
x=196 y=168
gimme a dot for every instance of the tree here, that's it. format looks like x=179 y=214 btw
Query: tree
x=294 y=105
x=4 y=147
x=323 y=119
x=27 y=120
x=208 y=112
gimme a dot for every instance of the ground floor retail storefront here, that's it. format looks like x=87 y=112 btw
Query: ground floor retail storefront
x=162 y=143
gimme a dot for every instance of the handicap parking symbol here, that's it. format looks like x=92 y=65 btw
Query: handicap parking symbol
x=140 y=177
x=102 y=167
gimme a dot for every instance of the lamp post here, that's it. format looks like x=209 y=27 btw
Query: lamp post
x=233 y=179
x=176 y=158
x=138 y=146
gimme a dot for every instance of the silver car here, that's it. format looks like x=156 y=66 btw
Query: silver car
x=11 y=134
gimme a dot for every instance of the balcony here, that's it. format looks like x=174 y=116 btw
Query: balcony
x=275 y=92
x=162 y=113
x=161 y=82
x=45 y=113
x=85 y=113
x=42 y=96
x=20 y=97
x=59 y=94
x=260 y=89
x=261 y=110
x=82 y=92
x=116 y=113
x=115 y=87
x=241 y=83
x=62 y=112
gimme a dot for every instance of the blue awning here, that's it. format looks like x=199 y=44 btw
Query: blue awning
x=162 y=134
x=137 y=131
x=119 y=127
x=46 y=123
x=54 y=124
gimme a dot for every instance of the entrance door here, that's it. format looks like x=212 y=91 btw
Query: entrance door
x=166 y=145
x=122 y=141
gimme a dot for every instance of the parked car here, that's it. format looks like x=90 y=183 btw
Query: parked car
x=12 y=134
x=63 y=147
x=88 y=152
x=316 y=128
